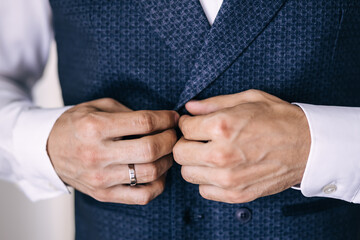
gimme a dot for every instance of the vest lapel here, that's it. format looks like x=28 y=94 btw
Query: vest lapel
x=182 y=24
x=237 y=25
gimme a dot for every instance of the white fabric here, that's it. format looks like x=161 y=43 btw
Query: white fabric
x=334 y=158
x=211 y=9
x=25 y=36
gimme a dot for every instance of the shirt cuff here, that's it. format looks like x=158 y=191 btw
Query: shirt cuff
x=333 y=165
x=38 y=179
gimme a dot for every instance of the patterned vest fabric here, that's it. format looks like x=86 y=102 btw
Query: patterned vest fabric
x=153 y=54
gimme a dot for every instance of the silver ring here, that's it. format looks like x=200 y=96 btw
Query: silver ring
x=132 y=175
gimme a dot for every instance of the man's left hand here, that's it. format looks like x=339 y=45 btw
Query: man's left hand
x=243 y=146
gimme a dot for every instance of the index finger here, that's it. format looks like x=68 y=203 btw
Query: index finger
x=195 y=128
x=140 y=122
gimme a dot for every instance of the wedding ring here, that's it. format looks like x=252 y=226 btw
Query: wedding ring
x=132 y=175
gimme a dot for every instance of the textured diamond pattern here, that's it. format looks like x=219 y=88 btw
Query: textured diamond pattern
x=152 y=54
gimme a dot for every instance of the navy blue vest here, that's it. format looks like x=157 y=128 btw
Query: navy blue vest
x=153 y=54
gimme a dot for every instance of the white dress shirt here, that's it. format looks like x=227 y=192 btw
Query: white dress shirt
x=25 y=35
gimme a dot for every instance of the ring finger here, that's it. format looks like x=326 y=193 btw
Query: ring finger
x=145 y=172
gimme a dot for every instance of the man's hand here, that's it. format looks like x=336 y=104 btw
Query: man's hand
x=88 y=151
x=243 y=146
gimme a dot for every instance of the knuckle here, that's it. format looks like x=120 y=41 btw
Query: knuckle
x=150 y=150
x=221 y=158
x=253 y=94
x=144 y=198
x=108 y=101
x=184 y=127
x=151 y=173
x=146 y=121
x=89 y=126
x=182 y=122
x=221 y=127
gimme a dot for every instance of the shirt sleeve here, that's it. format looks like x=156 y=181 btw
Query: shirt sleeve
x=25 y=37
x=333 y=165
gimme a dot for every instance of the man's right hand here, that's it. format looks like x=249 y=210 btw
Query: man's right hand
x=88 y=151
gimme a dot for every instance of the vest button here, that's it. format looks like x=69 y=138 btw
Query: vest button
x=243 y=215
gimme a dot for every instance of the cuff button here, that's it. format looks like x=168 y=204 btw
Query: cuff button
x=330 y=188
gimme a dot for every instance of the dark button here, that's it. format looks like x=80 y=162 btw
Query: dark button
x=243 y=215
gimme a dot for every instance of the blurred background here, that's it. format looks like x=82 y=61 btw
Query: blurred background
x=21 y=219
